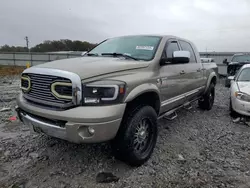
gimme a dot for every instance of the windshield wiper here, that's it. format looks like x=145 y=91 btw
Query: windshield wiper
x=92 y=54
x=120 y=54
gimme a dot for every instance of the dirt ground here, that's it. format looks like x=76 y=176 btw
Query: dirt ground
x=198 y=149
x=10 y=70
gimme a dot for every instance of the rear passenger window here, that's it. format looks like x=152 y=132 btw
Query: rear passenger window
x=187 y=47
x=171 y=47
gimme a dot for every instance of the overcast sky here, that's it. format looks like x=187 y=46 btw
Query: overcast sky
x=218 y=25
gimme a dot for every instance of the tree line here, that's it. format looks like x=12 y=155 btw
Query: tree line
x=52 y=46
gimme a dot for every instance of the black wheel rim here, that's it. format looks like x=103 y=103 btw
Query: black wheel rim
x=143 y=136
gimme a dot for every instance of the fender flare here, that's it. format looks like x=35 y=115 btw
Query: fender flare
x=210 y=77
x=141 y=89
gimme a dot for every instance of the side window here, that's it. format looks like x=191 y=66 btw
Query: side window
x=171 y=47
x=187 y=47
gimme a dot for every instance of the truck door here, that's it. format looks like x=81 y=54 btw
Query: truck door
x=194 y=79
x=171 y=79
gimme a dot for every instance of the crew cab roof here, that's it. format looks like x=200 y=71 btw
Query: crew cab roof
x=155 y=35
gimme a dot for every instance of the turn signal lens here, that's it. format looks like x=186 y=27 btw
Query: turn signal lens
x=122 y=90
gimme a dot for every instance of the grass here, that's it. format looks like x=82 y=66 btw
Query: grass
x=7 y=70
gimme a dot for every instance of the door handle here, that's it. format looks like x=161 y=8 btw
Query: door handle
x=182 y=72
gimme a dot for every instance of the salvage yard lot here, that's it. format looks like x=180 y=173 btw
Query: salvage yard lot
x=197 y=149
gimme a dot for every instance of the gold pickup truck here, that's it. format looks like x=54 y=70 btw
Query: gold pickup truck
x=116 y=92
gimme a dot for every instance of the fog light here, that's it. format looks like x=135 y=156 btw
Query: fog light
x=91 y=130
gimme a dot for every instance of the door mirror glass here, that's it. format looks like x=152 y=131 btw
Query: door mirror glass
x=180 y=57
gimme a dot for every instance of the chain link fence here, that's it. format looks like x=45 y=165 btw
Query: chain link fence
x=22 y=59
x=35 y=58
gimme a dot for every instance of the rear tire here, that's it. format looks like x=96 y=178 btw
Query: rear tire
x=137 y=136
x=207 y=101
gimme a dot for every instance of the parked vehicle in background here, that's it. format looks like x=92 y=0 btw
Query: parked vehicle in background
x=240 y=92
x=207 y=60
x=238 y=60
x=117 y=92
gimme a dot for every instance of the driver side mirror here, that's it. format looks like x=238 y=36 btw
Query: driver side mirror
x=179 y=57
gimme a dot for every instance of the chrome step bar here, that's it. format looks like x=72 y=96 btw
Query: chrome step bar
x=172 y=114
x=188 y=106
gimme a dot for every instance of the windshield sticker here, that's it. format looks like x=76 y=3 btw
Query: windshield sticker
x=144 y=48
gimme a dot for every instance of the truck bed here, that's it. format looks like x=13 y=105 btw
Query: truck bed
x=210 y=66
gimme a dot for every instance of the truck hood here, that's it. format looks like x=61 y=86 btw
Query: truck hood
x=87 y=67
x=244 y=87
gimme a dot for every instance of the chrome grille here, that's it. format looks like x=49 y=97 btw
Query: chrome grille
x=40 y=91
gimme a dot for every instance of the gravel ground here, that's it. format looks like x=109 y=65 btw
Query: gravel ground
x=198 y=149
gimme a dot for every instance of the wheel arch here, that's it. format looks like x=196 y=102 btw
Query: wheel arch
x=146 y=94
x=211 y=79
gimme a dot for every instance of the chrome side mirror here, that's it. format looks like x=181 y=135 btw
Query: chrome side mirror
x=181 y=57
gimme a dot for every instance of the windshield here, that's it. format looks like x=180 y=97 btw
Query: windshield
x=139 y=47
x=244 y=75
x=241 y=58
x=233 y=69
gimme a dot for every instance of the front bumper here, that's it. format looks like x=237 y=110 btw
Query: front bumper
x=104 y=120
x=241 y=107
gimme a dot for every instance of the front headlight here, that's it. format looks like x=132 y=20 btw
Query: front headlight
x=103 y=92
x=242 y=96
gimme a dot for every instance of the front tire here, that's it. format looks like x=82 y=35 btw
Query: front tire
x=137 y=136
x=207 y=101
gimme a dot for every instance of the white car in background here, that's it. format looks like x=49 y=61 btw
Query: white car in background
x=240 y=92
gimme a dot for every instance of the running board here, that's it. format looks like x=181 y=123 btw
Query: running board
x=187 y=106
x=170 y=116
x=172 y=112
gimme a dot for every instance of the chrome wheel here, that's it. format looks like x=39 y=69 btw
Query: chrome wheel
x=137 y=136
x=142 y=135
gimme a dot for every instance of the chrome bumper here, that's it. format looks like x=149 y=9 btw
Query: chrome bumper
x=73 y=132
x=38 y=126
